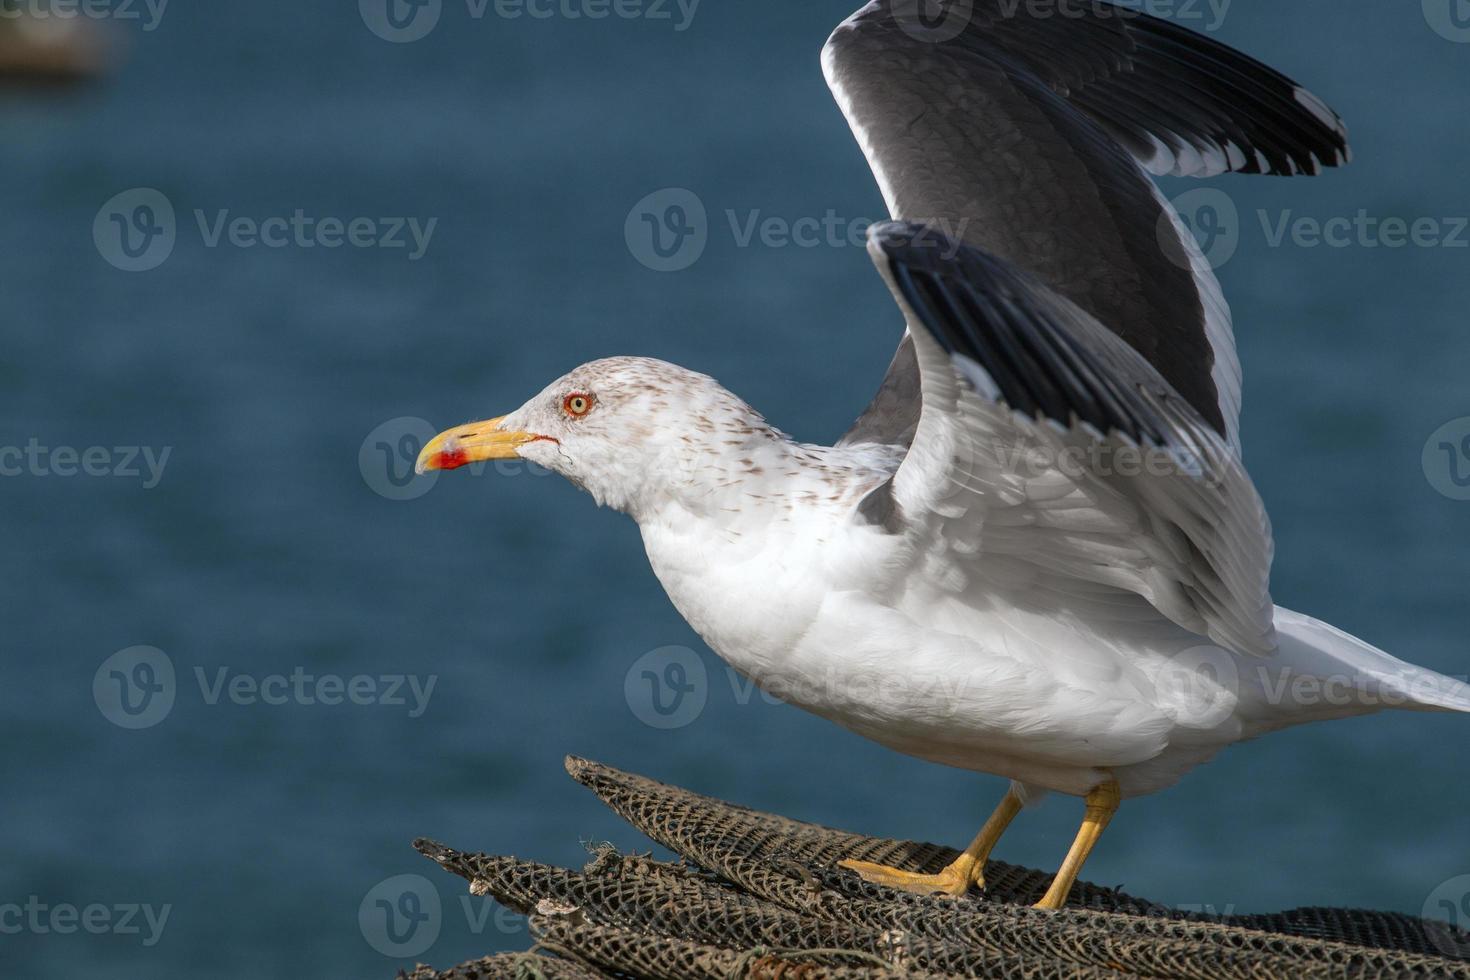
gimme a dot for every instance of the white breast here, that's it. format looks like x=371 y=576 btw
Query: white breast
x=751 y=596
x=799 y=607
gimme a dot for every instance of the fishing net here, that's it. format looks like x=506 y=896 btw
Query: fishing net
x=760 y=896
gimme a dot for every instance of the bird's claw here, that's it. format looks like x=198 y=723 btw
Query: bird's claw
x=950 y=882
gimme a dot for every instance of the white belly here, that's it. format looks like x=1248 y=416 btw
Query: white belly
x=971 y=699
x=972 y=681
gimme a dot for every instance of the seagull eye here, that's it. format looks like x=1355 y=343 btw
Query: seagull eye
x=577 y=404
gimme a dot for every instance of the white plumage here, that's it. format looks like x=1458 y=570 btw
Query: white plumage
x=1013 y=628
x=1037 y=553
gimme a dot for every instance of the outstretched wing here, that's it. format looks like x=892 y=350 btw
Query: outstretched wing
x=1051 y=460
x=1026 y=129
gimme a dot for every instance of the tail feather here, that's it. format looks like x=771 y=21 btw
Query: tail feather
x=1361 y=671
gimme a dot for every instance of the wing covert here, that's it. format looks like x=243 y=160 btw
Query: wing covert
x=1052 y=455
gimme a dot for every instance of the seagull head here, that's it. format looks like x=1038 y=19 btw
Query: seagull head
x=634 y=432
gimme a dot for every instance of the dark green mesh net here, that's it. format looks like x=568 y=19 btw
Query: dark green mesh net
x=760 y=896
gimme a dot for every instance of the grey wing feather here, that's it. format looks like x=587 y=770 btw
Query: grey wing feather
x=1058 y=454
x=1028 y=136
x=893 y=414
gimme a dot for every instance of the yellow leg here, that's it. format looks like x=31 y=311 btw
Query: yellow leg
x=1102 y=803
x=966 y=870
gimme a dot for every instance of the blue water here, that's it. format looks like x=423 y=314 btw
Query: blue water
x=263 y=549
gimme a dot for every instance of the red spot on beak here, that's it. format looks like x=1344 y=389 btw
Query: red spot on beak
x=451 y=460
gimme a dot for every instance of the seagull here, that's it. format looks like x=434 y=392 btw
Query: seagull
x=1037 y=552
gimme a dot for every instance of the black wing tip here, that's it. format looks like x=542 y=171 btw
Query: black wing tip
x=1212 y=108
x=1275 y=125
x=992 y=319
x=921 y=245
x=1318 y=141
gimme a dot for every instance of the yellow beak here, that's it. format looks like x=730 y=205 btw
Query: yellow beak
x=472 y=443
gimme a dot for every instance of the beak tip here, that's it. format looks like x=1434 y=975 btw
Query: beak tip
x=468 y=444
x=435 y=459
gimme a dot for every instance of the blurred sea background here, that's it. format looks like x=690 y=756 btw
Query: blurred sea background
x=274 y=376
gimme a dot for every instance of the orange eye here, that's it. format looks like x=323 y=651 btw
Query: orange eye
x=577 y=404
